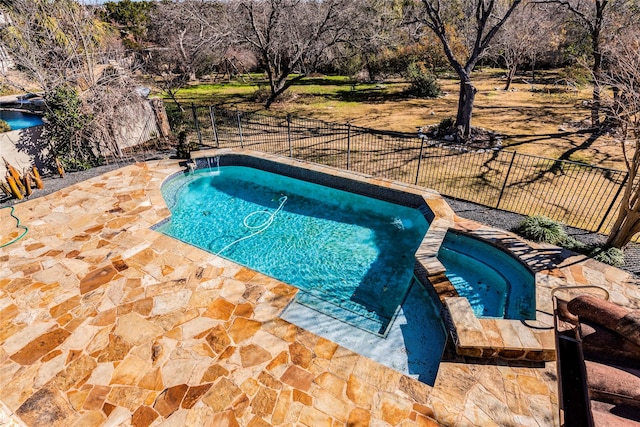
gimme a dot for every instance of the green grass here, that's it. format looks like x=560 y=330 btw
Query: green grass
x=322 y=91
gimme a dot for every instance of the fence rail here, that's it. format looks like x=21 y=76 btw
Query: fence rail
x=576 y=194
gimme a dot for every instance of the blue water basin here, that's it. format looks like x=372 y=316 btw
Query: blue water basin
x=19 y=120
x=494 y=282
x=351 y=256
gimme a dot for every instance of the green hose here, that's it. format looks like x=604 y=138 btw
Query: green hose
x=18 y=225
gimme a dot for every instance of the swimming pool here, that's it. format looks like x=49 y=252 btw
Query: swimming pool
x=495 y=284
x=19 y=120
x=351 y=256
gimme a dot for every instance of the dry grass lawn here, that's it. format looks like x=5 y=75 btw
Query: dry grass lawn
x=542 y=121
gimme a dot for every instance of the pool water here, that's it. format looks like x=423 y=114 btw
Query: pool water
x=351 y=256
x=19 y=120
x=495 y=284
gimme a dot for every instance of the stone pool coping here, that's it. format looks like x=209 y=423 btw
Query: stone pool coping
x=104 y=321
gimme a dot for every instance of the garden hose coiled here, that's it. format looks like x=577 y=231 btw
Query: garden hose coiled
x=18 y=225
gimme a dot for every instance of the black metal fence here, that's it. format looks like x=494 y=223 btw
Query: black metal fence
x=576 y=194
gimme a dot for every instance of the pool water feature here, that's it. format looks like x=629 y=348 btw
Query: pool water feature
x=495 y=284
x=20 y=120
x=352 y=256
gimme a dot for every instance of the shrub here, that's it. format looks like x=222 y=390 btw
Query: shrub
x=423 y=83
x=65 y=122
x=611 y=256
x=542 y=229
x=446 y=124
x=261 y=94
x=4 y=126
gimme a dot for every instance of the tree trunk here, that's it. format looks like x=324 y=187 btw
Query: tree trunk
x=625 y=228
x=511 y=75
x=465 y=106
x=276 y=90
x=595 y=107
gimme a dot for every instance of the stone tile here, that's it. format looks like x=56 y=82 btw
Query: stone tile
x=214 y=372
x=359 y=418
x=152 y=380
x=331 y=383
x=377 y=375
x=394 y=409
x=222 y=419
x=46 y=407
x=170 y=399
x=252 y=355
x=90 y=419
x=312 y=417
x=40 y=346
x=136 y=330
x=220 y=309
x=96 y=397
x=220 y=396
x=194 y=394
x=302 y=397
x=269 y=381
x=97 y=278
x=300 y=355
x=116 y=350
x=331 y=405
x=143 y=417
x=128 y=397
x=130 y=371
x=218 y=339
x=325 y=348
x=360 y=392
x=242 y=329
x=297 y=377
x=264 y=402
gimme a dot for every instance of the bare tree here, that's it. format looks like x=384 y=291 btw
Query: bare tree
x=529 y=33
x=623 y=75
x=59 y=44
x=54 y=43
x=188 y=40
x=292 y=36
x=474 y=23
x=601 y=19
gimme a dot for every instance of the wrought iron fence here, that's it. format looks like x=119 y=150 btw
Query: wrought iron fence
x=576 y=194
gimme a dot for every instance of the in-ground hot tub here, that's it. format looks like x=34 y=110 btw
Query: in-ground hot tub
x=495 y=283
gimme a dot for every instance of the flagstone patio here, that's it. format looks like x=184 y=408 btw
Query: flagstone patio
x=104 y=321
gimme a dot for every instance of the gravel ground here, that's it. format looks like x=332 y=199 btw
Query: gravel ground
x=493 y=217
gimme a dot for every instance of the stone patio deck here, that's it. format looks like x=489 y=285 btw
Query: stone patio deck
x=104 y=321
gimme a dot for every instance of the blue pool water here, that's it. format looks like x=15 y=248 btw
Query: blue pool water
x=495 y=284
x=351 y=256
x=19 y=120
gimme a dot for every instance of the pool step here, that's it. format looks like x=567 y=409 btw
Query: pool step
x=367 y=321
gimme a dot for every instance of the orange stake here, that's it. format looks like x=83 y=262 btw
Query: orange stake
x=37 y=178
x=14 y=188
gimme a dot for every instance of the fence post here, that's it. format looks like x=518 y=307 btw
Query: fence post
x=613 y=201
x=506 y=178
x=213 y=125
x=348 y=145
x=240 y=129
x=289 y=134
x=195 y=121
x=419 y=160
